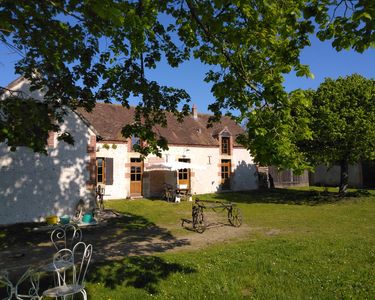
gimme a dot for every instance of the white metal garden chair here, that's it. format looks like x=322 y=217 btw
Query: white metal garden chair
x=80 y=259
x=63 y=237
x=13 y=288
x=66 y=236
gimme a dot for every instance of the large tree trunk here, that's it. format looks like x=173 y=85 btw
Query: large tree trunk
x=344 y=177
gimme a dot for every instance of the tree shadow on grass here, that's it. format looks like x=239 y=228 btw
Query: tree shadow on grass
x=142 y=272
x=130 y=235
x=286 y=196
x=21 y=233
x=112 y=240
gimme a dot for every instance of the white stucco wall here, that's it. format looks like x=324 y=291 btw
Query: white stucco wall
x=33 y=186
x=245 y=175
x=120 y=187
x=209 y=180
x=23 y=86
x=203 y=181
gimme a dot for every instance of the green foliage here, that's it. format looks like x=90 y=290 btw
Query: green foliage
x=82 y=52
x=349 y=24
x=273 y=133
x=343 y=123
x=25 y=121
x=343 y=126
x=101 y=50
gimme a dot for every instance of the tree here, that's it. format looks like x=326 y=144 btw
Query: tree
x=348 y=23
x=85 y=51
x=80 y=52
x=342 y=123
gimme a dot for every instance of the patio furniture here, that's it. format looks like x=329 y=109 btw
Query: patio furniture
x=13 y=288
x=80 y=259
x=167 y=192
x=60 y=263
x=183 y=192
x=66 y=236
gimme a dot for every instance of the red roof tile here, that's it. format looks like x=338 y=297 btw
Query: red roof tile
x=108 y=120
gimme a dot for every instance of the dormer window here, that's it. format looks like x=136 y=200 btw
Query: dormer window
x=136 y=142
x=225 y=145
x=226 y=140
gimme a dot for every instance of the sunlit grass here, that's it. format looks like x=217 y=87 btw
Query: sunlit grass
x=322 y=247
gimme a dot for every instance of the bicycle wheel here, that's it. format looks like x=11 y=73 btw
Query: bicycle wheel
x=199 y=223
x=235 y=217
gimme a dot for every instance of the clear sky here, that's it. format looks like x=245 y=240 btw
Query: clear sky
x=324 y=62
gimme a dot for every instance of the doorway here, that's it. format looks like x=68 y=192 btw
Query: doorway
x=226 y=168
x=136 y=174
x=184 y=174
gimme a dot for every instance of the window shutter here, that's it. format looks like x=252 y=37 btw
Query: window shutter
x=109 y=171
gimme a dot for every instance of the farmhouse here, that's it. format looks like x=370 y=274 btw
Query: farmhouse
x=33 y=186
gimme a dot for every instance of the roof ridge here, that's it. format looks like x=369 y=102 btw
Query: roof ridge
x=117 y=104
x=134 y=106
x=184 y=133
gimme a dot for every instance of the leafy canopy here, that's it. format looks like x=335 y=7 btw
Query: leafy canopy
x=85 y=51
x=343 y=121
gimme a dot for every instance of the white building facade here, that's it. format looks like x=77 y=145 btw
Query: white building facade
x=242 y=171
x=33 y=186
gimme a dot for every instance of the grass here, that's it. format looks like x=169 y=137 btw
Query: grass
x=303 y=244
x=161 y=213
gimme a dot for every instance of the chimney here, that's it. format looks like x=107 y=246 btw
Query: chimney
x=194 y=111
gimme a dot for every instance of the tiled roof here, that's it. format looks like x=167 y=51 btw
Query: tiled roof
x=108 y=120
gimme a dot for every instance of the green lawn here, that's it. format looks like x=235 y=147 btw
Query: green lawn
x=303 y=244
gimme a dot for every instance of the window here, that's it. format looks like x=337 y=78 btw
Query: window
x=100 y=170
x=183 y=174
x=104 y=170
x=136 y=142
x=225 y=145
x=225 y=173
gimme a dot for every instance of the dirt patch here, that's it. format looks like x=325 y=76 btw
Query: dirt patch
x=215 y=235
x=273 y=232
x=114 y=240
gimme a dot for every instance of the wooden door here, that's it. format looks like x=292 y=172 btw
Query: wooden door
x=225 y=174
x=136 y=172
x=184 y=174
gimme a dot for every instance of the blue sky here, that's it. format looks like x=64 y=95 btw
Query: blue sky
x=324 y=62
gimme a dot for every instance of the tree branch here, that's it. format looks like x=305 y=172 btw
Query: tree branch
x=222 y=10
x=66 y=11
x=223 y=48
x=13 y=93
x=6 y=30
